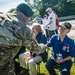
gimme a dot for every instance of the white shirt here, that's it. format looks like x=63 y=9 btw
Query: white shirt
x=45 y=22
x=52 y=18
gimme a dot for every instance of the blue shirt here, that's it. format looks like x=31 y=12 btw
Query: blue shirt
x=41 y=38
x=66 y=47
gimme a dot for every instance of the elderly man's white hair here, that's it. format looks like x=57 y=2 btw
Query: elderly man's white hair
x=48 y=9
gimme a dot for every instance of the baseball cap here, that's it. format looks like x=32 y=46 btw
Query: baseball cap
x=48 y=9
x=25 y=9
x=45 y=15
x=66 y=25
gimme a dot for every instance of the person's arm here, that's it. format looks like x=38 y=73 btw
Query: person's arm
x=59 y=61
x=50 y=42
x=49 y=23
x=67 y=58
x=34 y=36
x=50 y=20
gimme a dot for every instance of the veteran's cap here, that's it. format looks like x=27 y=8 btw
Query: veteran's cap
x=66 y=25
x=48 y=9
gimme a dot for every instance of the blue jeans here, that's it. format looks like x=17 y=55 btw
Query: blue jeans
x=64 y=67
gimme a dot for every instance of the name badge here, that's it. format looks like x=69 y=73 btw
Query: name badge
x=59 y=56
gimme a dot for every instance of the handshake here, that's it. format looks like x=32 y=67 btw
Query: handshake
x=40 y=48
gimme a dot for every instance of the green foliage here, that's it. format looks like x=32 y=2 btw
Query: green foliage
x=61 y=7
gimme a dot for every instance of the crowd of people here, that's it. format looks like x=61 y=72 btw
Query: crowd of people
x=63 y=46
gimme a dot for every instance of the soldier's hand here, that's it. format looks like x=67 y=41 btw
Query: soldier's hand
x=42 y=46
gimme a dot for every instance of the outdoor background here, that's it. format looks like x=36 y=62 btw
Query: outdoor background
x=63 y=8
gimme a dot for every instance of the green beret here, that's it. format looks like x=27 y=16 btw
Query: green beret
x=25 y=9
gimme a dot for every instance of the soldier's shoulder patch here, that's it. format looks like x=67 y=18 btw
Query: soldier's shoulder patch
x=50 y=18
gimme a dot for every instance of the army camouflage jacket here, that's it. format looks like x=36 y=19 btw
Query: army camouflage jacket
x=14 y=34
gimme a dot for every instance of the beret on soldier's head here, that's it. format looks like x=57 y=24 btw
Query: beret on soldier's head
x=25 y=9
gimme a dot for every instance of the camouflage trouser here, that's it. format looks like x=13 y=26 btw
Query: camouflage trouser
x=6 y=70
x=17 y=64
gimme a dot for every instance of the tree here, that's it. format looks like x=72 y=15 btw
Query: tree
x=61 y=7
x=71 y=1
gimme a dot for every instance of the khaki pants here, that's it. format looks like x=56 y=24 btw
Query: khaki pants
x=31 y=61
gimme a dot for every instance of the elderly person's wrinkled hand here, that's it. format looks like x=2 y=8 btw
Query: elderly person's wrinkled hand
x=59 y=61
x=45 y=47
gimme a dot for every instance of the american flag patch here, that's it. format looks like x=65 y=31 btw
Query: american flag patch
x=64 y=48
x=50 y=18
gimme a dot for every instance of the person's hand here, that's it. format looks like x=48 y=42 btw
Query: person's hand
x=33 y=36
x=45 y=27
x=45 y=47
x=59 y=61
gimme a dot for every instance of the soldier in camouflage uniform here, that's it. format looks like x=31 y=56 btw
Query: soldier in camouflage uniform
x=23 y=8
x=13 y=35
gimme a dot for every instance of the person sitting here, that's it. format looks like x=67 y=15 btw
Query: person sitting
x=63 y=50
x=34 y=58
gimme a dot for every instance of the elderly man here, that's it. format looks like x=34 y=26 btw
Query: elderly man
x=51 y=25
x=63 y=50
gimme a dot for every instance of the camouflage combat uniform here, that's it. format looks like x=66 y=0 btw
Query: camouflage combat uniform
x=13 y=35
